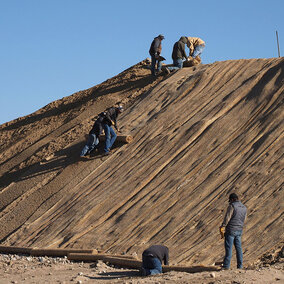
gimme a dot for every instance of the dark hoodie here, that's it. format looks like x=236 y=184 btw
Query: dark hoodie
x=159 y=251
x=97 y=127
x=179 y=49
x=110 y=116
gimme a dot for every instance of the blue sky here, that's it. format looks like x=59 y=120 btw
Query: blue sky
x=53 y=48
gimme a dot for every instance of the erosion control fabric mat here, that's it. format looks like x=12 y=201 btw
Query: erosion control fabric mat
x=198 y=135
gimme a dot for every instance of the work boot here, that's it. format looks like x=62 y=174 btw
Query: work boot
x=198 y=58
x=143 y=271
x=84 y=157
x=167 y=70
x=158 y=73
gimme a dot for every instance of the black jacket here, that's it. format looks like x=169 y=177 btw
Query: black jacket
x=110 y=116
x=97 y=127
x=159 y=251
x=156 y=47
x=179 y=49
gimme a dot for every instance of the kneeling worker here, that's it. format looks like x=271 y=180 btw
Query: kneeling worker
x=152 y=259
x=178 y=55
x=93 y=139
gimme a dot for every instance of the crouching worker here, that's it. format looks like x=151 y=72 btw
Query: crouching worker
x=152 y=259
x=93 y=139
x=196 y=46
x=178 y=55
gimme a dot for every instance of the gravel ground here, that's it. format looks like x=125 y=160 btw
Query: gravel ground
x=27 y=269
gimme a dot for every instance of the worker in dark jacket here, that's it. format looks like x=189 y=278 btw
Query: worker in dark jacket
x=155 y=51
x=152 y=259
x=110 y=119
x=232 y=228
x=93 y=138
x=178 y=55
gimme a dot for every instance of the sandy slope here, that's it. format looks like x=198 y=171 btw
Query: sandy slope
x=199 y=134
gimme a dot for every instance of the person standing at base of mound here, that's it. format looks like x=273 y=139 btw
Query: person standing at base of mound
x=178 y=55
x=155 y=51
x=232 y=229
x=152 y=259
x=93 y=139
x=196 y=46
x=110 y=119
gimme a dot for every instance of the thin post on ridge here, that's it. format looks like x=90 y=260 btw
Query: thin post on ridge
x=278 y=44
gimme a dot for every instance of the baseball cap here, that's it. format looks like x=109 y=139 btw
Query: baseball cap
x=233 y=196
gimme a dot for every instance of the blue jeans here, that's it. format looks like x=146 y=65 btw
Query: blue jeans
x=178 y=63
x=153 y=65
x=152 y=265
x=230 y=239
x=110 y=137
x=198 y=50
x=92 y=143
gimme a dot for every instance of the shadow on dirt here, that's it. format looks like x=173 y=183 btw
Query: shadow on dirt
x=114 y=275
x=55 y=164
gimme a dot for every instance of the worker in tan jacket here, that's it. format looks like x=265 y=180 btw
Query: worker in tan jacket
x=196 y=46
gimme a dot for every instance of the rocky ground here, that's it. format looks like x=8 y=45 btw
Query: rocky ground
x=27 y=269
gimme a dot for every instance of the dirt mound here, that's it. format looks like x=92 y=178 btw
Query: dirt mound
x=199 y=134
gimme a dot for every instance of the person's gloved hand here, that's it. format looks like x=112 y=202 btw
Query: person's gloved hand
x=222 y=232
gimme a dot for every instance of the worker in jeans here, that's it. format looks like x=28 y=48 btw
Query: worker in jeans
x=196 y=46
x=232 y=229
x=152 y=259
x=110 y=119
x=178 y=55
x=155 y=51
x=93 y=138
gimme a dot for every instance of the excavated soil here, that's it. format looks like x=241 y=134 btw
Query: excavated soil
x=199 y=134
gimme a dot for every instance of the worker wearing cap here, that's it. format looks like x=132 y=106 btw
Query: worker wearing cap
x=155 y=51
x=232 y=228
x=110 y=119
